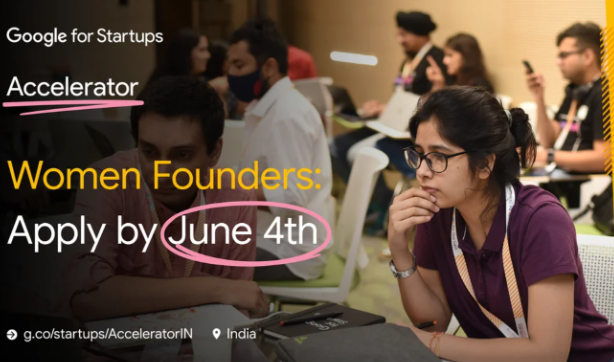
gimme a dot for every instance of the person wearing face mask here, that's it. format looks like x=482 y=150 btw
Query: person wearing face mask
x=499 y=255
x=283 y=131
x=181 y=121
x=464 y=64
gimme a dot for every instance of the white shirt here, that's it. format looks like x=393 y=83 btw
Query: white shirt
x=283 y=130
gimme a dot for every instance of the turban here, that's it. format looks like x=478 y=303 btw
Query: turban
x=416 y=22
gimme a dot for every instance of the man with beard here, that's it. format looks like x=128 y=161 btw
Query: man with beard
x=283 y=131
x=413 y=34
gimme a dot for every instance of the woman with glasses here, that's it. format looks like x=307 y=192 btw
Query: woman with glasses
x=501 y=256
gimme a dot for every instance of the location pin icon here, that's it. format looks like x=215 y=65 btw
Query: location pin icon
x=216 y=333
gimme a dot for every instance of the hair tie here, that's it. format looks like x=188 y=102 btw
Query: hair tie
x=509 y=117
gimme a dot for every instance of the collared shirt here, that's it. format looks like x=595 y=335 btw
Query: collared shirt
x=284 y=131
x=542 y=241
x=87 y=270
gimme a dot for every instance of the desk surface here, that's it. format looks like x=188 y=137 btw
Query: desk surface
x=562 y=178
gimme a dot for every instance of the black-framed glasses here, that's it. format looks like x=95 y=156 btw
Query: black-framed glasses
x=563 y=55
x=437 y=161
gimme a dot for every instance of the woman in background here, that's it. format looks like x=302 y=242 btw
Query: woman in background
x=186 y=55
x=216 y=75
x=465 y=64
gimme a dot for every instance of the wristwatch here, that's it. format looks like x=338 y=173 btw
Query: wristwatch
x=550 y=156
x=404 y=274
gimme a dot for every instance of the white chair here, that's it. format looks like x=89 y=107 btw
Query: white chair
x=506 y=101
x=233 y=144
x=597 y=256
x=326 y=80
x=315 y=90
x=348 y=234
x=530 y=108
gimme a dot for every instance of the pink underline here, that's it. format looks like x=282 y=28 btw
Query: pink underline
x=88 y=104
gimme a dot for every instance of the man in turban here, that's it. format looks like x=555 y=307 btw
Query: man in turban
x=413 y=34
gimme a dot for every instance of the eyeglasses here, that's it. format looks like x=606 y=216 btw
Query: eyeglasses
x=563 y=55
x=437 y=161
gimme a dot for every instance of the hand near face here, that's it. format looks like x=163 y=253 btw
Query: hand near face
x=536 y=84
x=413 y=207
x=220 y=84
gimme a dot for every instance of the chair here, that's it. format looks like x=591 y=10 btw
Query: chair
x=326 y=80
x=233 y=144
x=315 y=90
x=338 y=278
x=597 y=256
x=530 y=108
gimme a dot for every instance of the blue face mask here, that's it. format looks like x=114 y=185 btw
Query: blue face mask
x=246 y=87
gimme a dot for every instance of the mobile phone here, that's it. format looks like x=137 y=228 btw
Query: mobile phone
x=528 y=66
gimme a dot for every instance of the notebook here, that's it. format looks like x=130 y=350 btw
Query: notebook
x=348 y=319
x=394 y=121
x=381 y=342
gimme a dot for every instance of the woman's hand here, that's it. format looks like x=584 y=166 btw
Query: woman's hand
x=434 y=74
x=413 y=207
x=220 y=84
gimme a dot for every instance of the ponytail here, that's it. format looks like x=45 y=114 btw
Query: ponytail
x=523 y=136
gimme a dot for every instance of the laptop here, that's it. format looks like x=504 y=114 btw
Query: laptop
x=344 y=106
x=394 y=121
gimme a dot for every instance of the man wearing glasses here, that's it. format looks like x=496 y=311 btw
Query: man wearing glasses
x=573 y=141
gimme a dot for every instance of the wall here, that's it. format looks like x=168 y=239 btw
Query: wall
x=508 y=31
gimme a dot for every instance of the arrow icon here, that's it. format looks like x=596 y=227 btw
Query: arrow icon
x=11 y=334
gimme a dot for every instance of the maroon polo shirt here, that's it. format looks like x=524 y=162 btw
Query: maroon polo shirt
x=542 y=241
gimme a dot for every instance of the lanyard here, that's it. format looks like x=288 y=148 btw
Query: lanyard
x=571 y=115
x=409 y=70
x=156 y=221
x=510 y=277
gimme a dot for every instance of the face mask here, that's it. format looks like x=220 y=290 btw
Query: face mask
x=246 y=87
